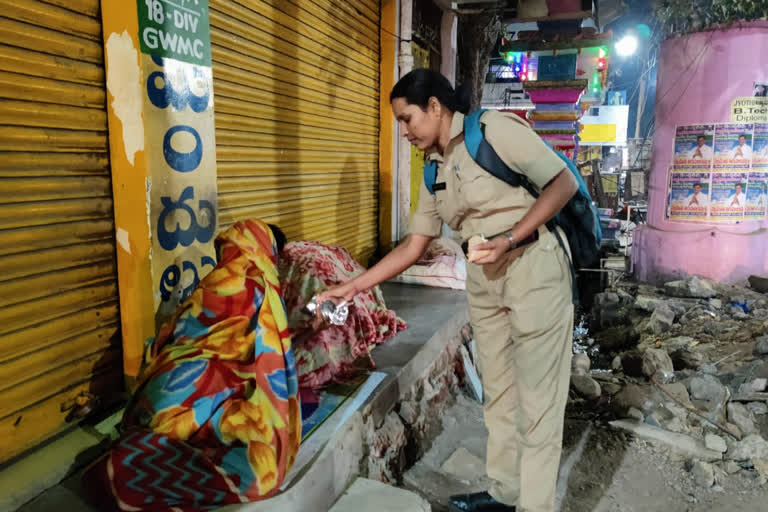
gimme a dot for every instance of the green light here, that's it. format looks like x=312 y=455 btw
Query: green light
x=510 y=56
x=644 y=30
x=602 y=53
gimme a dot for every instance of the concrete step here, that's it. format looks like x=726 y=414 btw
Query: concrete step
x=373 y=496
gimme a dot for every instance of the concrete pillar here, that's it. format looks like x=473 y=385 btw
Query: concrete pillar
x=405 y=61
x=163 y=158
x=699 y=76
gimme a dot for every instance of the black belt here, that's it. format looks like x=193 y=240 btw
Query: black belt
x=526 y=241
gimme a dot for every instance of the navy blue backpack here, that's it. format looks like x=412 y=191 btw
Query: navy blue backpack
x=578 y=219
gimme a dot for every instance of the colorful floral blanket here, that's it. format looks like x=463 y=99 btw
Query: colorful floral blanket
x=336 y=353
x=216 y=418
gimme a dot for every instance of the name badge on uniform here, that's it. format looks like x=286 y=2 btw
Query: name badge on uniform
x=438 y=186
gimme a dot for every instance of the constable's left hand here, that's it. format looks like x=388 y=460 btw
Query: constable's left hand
x=496 y=247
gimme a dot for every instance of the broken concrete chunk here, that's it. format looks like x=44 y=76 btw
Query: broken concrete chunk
x=611 y=388
x=679 y=443
x=678 y=343
x=758 y=283
x=741 y=417
x=752 y=446
x=616 y=364
x=625 y=298
x=703 y=474
x=738 y=314
x=647 y=303
x=615 y=338
x=715 y=443
x=761 y=346
x=753 y=386
x=635 y=414
x=757 y=408
x=655 y=360
x=751 y=397
x=464 y=465
x=676 y=424
x=635 y=396
x=605 y=310
x=580 y=364
x=694 y=287
x=663 y=377
x=706 y=387
x=761 y=466
x=679 y=392
x=662 y=319
x=367 y=494
x=731 y=467
x=586 y=386
x=607 y=299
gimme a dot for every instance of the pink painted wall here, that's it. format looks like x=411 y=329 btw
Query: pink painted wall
x=698 y=77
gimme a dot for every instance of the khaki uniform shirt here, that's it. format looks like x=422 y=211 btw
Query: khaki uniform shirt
x=474 y=201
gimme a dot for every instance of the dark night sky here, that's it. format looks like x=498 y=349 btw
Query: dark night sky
x=626 y=71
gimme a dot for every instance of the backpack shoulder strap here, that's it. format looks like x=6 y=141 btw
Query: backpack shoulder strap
x=430 y=175
x=486 y=157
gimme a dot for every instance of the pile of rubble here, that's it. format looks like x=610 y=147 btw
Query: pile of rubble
x=685 y=366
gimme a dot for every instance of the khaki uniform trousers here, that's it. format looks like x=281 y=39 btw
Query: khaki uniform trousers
x=521 y=312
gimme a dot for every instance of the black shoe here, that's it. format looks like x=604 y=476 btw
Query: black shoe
x=478 y=502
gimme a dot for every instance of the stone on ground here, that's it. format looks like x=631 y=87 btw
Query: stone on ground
x=715 y=443
x=753 y=386
x=752 y=446
x=693 y=287
x=761 y=466
x=605 y=310
x=740 y=416
x=632 y=395
x=656 y=360
x=662 y=319
x=761 y=346
x=706 y=387
x=586 y=386
x=647 y=303
x=731 y=467
x=464 y=465
x=758 y=283
x=703 y=474
x=371 y=495
x=580 y=364
x=680 y=443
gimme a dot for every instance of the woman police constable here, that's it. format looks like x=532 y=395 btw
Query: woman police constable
x=519 y=291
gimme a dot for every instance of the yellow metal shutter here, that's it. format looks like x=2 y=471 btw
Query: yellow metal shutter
x=297 y=116
x=59 y=328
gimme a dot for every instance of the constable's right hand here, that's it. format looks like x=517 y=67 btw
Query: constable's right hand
x=338 y=294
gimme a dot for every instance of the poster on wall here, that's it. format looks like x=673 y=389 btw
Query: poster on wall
x=733 y=147
x=728 y=197
x=719 y=173
x=691 y=173
x=757 y=186
x=689 y=196
x=694 y=146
